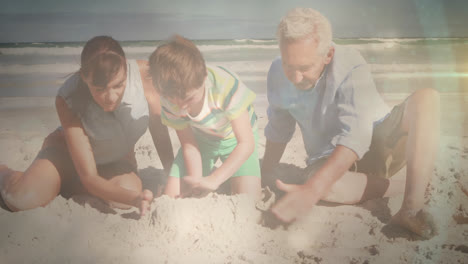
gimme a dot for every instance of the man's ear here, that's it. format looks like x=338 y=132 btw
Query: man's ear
x=330 y=54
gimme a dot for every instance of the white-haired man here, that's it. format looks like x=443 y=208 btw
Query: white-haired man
x=353 y=142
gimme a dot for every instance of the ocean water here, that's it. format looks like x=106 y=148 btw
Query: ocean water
x=398 y=65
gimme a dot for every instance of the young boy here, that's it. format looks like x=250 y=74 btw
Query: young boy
x=212 y=112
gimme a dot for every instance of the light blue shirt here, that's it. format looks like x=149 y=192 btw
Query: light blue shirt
x=112 y=134
x=341 y=109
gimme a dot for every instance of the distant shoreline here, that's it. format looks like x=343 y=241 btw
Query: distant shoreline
x=246 y=41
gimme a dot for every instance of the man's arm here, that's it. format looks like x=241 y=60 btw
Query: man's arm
x=300 y=199
x=273 y=153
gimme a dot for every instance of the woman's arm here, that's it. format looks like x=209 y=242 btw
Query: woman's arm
x=159 y=132
x=81 y=153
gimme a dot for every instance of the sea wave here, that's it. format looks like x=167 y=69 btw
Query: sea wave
x=242 y=67
x=19 y=69
x=407 y=75
x=128 y=50
x=394 y=67
x=16 y=69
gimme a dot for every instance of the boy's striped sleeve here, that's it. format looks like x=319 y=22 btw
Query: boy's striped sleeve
x=236 y=97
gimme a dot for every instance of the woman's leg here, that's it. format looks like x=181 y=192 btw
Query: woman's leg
x=41 y=182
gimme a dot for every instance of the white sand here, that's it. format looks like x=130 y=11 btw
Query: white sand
x=225 y=229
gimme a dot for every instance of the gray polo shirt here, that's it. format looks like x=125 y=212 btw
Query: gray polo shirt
x=112 y=134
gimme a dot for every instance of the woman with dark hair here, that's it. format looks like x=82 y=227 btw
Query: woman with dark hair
x=103 y=109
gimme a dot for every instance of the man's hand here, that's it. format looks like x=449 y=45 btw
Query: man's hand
x=298 y=201
x=199 y=186
x=144 y=201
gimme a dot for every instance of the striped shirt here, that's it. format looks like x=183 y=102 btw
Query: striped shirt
x=226 y=97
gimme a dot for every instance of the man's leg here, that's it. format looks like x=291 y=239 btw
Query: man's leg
x=355 y=187
x=421 y=121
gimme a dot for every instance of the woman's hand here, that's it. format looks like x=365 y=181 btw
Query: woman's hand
x=144 y=201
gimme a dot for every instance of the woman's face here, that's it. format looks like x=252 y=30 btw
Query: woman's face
x=109 y=97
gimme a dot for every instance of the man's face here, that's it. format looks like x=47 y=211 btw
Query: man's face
x=302 y=63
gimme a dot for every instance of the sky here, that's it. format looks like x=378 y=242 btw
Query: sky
x=79 y=20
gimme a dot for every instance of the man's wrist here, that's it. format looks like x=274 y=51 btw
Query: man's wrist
x=315 y=185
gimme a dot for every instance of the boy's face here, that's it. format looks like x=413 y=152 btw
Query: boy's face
x=193 y=100
x=302 y=63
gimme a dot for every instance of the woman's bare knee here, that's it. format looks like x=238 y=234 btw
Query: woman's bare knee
x=25 y=191
x=128 y=181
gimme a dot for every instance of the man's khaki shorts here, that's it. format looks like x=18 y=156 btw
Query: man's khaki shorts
x=387 y=152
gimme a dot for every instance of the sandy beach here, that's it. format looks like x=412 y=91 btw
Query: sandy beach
x=229 y=229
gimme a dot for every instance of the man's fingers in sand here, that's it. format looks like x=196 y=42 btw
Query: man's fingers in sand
x=284 y=210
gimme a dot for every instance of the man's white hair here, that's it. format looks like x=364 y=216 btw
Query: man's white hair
x=306 y=23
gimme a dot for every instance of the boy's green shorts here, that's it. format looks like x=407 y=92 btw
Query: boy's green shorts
x=211 y=151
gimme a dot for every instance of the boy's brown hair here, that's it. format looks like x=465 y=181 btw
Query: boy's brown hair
x=177 y=67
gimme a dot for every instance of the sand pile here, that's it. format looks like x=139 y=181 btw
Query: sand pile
x=225 y=229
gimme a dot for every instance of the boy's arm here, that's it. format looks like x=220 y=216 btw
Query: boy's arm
x=300 y=199
x=244 y=148
x=192 y=160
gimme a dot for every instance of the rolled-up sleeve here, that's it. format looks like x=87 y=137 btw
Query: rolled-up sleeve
x=281 y=125
x=355 y=102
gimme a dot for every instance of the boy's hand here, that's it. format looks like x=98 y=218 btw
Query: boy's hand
x=199 y=186
x=298 y=201
x=144 y=201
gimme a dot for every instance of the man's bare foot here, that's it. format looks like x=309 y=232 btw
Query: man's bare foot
x=419 y=222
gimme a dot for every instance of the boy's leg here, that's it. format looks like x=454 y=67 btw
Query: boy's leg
x=421 y=120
